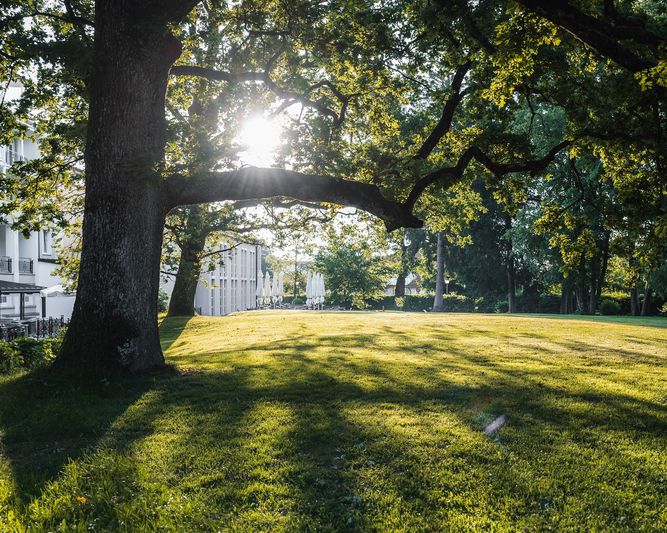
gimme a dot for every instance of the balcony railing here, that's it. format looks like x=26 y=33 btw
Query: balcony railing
x=12 y=156
x=5 y=264
x=25 y=265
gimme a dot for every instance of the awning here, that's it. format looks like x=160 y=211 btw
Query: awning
x=11 y=287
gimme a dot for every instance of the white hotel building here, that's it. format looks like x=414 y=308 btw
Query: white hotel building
x=231 y=285
x=27 y=261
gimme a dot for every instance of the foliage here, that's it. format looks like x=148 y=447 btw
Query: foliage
x=162 y=301
x=27 y=353
x=352 y=274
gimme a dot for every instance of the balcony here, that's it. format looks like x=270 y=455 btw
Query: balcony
x=25 y=265
x=5 y=264
x=11 y=156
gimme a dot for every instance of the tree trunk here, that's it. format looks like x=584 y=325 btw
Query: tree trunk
x=399 y=291
x=564 y=299
x=593 y=292
x=182 y=302
x=511 y=286
x=438 y=301
x=648 y=300
x=114 y=323
x=582 y=288
x=634 y=300
x=510 y=269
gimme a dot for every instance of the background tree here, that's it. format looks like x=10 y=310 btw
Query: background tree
x=354 y=271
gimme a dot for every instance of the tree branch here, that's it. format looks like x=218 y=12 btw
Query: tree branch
x=290 y=97
x=594 y=32
x=445 y=122
x=216 y=75
x=251 y=182
x=450 y=175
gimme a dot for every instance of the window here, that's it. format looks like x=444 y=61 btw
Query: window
x=212 y=289
x=45 y=240
x=26 y=298
x=3 y=299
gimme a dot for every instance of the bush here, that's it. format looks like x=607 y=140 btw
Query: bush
x=27 y=353
x=162 y=301
x=10 y=359
x=609 y=306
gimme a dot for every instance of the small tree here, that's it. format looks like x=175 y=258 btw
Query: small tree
x=352 y=273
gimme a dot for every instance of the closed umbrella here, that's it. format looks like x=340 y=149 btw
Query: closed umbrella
x=322 y=289
x=281 y=288
x=275 y=288
x=267 y=288
x=260 y=287
x=316 y=289
x=309 y=289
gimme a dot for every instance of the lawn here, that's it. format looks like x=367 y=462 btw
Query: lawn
x=291 y=421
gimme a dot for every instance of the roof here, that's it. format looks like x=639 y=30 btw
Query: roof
x=11 y=287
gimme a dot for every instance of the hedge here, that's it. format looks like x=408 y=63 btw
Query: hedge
x=458 y=303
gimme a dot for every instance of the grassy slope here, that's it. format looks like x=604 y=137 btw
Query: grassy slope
x=305 y=421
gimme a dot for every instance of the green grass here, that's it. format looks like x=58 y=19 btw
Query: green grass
x=290 y=421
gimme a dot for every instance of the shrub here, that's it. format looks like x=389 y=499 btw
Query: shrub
x=26 y=353
x=418 y=302
x=162 y=301
x=610 y=307
x=10 y=359
x=501 y=306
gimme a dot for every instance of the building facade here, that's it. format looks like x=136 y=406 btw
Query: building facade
x=28 y=260
x=231 y=285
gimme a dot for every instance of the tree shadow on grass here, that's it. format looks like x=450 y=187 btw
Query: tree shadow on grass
x=330 y=441
x=47 y=420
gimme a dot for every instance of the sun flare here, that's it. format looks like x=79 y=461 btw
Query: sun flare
x=259 y=138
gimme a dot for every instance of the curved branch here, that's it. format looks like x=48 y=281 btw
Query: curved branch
x=251 y=182
x=450 y=175
x=445 y=122
x=216 y=75
x=290 y=97
x=595 y=32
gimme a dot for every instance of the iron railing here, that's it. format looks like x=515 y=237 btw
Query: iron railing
x=33 y=327
x=5 y=264
x=11 y=156
x=25 y=265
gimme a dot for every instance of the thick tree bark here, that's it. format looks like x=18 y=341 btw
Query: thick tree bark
x=647 y=301
x=114 y=323
x=634 y=301
x=565 y=299
x=399 y=290
x=605 y=38
x=510 y=269
x=511 y=287
x=593 y=292
x=182 y=301
x=438 y=301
